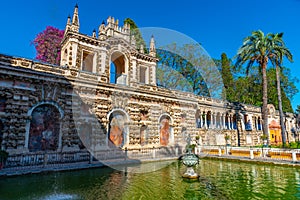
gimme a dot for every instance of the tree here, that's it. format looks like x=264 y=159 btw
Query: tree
x=280 y=51
x=47 y=45
x=137 y=34
x=227 y=77
x=188 y=68
x=258 y=48
x=288 y=89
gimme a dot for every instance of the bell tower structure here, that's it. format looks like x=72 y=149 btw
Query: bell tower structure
x=111 y=55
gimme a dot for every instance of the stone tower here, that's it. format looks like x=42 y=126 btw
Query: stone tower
x=111 y=55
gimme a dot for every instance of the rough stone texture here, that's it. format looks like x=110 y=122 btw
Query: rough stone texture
x=87 y=98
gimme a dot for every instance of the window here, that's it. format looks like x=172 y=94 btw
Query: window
x=143 y=74
x=87 y=61
x=117 y=69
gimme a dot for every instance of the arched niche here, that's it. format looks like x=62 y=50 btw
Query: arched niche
x=143 y=135
x=43 y=131
x=118 y=68
x=85 y=135
x=118 y=128
x=166 y=135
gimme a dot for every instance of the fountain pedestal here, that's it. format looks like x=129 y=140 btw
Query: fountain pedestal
x=190 y=159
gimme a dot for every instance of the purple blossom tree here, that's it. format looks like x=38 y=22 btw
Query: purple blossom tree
x=47 y=45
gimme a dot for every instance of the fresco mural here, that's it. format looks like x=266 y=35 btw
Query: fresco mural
x=165 y=131
x=44 y=128
x=116 y=130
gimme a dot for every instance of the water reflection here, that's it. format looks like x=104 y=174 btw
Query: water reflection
x=218 y=180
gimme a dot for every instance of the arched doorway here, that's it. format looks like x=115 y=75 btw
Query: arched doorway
x=44 y=128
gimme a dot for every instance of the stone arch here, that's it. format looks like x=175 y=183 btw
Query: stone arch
x=259 y=124
x=43 y=131
x=218 y=120
x=248 y=122
x=118 y=130
x=118 y=68
x=166 y=135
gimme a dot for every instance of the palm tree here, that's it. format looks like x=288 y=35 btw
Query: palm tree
x=258 y=48
x=280 y=51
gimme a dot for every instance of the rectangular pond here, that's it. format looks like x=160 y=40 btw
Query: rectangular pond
x=218 y=180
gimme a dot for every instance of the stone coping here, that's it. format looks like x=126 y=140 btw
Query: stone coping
x=18 y=171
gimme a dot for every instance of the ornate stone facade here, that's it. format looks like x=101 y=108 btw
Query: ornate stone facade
x=104 y=93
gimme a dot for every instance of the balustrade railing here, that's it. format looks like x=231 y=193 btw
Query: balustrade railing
x=264 y=153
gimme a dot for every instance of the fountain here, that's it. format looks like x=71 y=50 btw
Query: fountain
x=189 y=159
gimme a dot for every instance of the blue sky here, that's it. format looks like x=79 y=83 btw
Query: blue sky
x=218 y=25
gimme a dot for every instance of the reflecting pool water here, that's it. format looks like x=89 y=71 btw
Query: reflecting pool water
x=218 y=180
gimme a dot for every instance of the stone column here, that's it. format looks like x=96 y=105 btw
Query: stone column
x=205 y=119
x=231 y=122
x=228 y=121
x=223 y=121
x=242 y=120
x=213 y=120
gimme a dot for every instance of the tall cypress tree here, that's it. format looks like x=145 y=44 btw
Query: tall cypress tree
x=227 y=77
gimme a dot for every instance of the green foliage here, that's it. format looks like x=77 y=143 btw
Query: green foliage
x=185 y=68
x=298 y=109
x=259 y=48
x=227 y=137
x=227 y=78
x=137 y=34
x=291 y=145
x=264 y=137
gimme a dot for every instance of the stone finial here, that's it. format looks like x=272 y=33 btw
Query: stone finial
x=75 y=20
x=142 y=49
x=94 y=33
x=102 y=32
x=68 y=25
x=152 y=50
x=109 y=20
x=117 y=23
